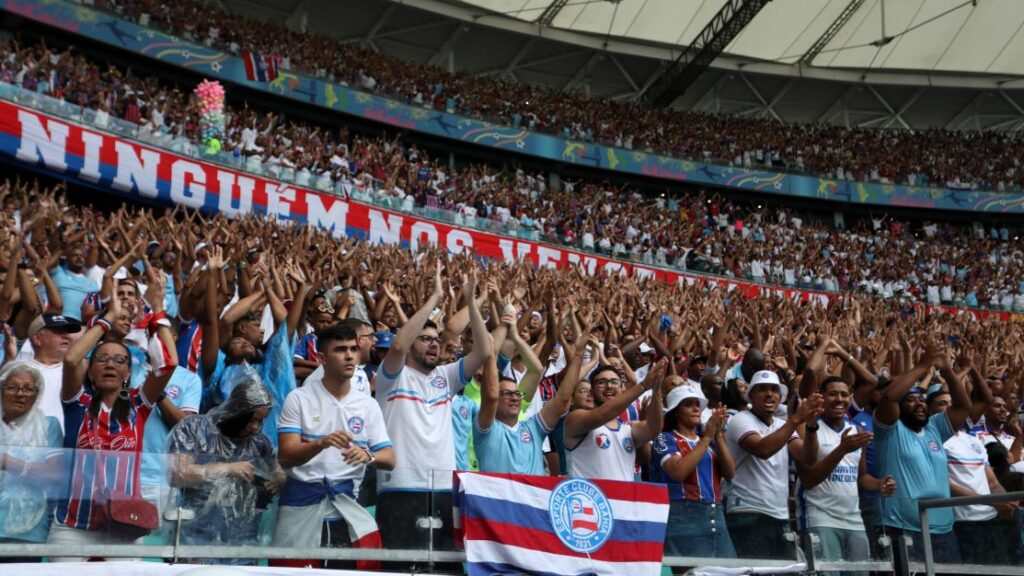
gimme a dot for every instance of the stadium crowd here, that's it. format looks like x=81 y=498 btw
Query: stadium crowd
x=922 y=262
x=272 y=359
x=978 y=160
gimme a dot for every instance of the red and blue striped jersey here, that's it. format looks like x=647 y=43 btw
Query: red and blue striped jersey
x=106 y=458
x=189 y=345
x=305 y=348
x=703 y=485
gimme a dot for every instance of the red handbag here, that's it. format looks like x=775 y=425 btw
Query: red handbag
x=128 y=517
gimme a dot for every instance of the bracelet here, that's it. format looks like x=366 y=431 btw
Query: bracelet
x=370 y=454
x=104 y=324
x=812 y=427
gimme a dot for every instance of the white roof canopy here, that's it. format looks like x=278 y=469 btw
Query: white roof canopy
x=951 y=36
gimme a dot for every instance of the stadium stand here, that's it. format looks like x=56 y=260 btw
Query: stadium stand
x=173 y=375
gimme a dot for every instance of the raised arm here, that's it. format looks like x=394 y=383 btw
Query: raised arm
x=888 y=410
x=482 y=345
x=581 y=422
x=210 y=318
x=395 y=358
x=648 y=428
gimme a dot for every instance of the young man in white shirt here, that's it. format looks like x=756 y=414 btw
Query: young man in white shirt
x=832 y=471
x=414 y=393
x=329 y=434
x=598 y=443
x=761 y=444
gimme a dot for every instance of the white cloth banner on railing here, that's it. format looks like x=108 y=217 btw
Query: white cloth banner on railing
x=159 y=569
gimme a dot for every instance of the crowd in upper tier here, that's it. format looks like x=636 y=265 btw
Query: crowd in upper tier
x=925 y=261
x=170 y=362
x=979 y=160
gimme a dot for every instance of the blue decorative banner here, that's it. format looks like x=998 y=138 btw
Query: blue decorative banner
x=112 y=30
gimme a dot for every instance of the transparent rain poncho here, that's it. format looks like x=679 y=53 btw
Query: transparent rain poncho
x=226 y=506
x=25 y=498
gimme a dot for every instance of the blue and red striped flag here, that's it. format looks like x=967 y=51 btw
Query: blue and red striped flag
x=513 y=524
x=258 y=67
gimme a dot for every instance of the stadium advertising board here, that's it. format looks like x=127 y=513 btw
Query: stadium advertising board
x=146 y=174
x=110 y=29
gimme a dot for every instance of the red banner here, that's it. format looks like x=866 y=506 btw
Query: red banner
x=148 y=174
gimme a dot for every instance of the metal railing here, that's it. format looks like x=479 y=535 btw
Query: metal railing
x=930 y=566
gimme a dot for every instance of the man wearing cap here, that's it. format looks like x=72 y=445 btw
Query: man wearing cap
x=908 y=447
x=758 y=500
x=50 y=335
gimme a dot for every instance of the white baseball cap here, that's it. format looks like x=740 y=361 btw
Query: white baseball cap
x=766 y=377
x=677 y=395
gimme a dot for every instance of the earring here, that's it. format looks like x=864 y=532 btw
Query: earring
x=123 y=392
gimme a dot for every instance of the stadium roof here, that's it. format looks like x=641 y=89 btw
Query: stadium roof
x=979 y=37
x=947 y=63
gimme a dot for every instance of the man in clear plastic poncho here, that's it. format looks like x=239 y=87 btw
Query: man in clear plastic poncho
x=226 y=468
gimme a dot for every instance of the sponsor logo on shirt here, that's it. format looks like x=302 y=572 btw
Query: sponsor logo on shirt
x=355 y=424
x=603 y=442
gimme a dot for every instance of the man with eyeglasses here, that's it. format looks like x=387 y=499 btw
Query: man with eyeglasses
x=504 y=444
x=415 y=395
x=598 y=443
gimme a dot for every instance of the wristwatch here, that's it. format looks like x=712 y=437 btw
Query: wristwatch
x=813 y=427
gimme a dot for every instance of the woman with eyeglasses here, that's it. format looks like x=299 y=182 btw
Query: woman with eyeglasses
x=30 y=460
x=105 y=426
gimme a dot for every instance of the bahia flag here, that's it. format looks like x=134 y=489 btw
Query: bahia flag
x=259 y=68
x=515 y=524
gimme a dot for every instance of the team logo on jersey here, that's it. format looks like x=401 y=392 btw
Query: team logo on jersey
x=439 y=383
x=173 y=391
x=627 y=445
x=603 y=442
x=660 y=445
x=525 y=436
x=581 y=515
x=934 y=446
x=464 y=412
x=355 y=424
x=977 y=448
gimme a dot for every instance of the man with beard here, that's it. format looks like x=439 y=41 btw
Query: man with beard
x=415 y=398
x=994 y=428
x=598 y=443
x=909 y=448
x=71 y=280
